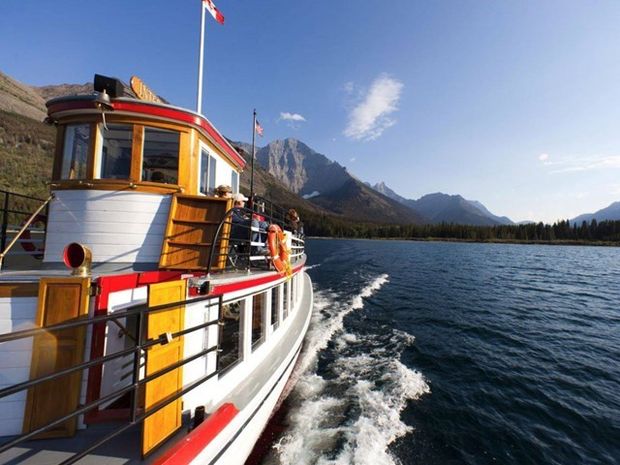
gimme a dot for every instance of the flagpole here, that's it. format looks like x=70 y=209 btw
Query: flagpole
x=253 y=155
x=201 y=58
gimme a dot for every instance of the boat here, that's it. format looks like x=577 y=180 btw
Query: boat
x=142 y=324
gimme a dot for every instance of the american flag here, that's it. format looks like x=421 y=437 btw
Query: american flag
x=258 y=128
x=208 y=4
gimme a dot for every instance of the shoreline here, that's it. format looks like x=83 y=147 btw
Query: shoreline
x=471 y=241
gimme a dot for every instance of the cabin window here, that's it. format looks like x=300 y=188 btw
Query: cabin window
x=160 y=156
x=258 y=334
x=75 y=151
x=116 y=152
x=230 y=335
x=207 y=172
x=285 y=300
x=275 y=304
x=234 y=182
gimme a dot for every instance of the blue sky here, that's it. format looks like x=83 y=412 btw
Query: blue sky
x=512 y=103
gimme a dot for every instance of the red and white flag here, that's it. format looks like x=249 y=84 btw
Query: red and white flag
x=258 y=128
x=208 y=4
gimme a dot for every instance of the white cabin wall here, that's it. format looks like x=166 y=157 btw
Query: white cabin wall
x=194 y=342
x=119 y=227
x=16 y=313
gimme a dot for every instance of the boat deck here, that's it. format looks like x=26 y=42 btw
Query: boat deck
x=125 y=448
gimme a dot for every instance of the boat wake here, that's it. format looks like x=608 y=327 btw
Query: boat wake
x=351 y=413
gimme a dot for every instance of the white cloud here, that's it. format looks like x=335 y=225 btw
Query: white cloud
x=352 y=159
x=296 y=117
x=571 y=164
x=370 y=117
x=543 y=156
x=292 y=120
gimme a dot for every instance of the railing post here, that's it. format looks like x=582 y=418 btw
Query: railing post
x=136 y=367
x=5 y=221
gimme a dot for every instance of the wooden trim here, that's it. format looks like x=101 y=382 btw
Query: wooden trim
x=19 y=290
x=116 y=185
x=60 y=300
x=94 y=160
x=160 y=425
x=112 y=118
x=60 y=142
x=151 y=111
x=137 y=148
x=185 y=163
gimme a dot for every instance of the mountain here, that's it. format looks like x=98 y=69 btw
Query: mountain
x=328 y=184
x=486 y=212
x=29 y=101
x=21 y=99
x=612 y=212
x=385 y=190
x=444 y=208
x=61 y=90
x=300 y=168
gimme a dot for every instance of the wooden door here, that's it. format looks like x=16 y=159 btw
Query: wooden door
x=166 y=421
x=60 y=300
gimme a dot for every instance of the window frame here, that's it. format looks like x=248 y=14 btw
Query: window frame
x=210 y=190
x=94 y=154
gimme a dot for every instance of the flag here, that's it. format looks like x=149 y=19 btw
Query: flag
x=208 y=4
x=258 y=128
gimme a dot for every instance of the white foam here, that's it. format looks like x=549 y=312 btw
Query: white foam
x=353 y=416
x=311 y=267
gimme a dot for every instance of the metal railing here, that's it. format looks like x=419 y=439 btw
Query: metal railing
x=247 y=235
x=14 y=208
x=137 y=414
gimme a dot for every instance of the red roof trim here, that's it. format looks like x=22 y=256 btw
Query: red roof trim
x=188 y=448
x=159 y=111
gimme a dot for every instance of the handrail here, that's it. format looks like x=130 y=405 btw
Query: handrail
x=23 y=228
x=136 y=417
x=273 y=216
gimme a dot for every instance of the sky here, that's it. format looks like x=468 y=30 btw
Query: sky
x=515 y=104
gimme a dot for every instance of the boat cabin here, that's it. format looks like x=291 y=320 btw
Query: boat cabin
x=128 y=171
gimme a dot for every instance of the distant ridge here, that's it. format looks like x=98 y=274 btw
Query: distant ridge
x=612 y=212
x=21 y=99
x=328 y=184
x=444 y=208
x=29 y=101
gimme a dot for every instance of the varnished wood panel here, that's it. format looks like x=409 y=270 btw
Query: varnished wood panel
x=166 y=421
x=60 y=140
x=116 y=185
x=136 y=152
x=19 y=289
x=60 y=300
x=192 y=224
x=185 y=172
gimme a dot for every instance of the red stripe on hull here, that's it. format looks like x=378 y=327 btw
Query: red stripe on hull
x=188 y=448
x=246 y=284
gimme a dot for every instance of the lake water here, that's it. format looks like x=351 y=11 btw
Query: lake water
x=440 y=353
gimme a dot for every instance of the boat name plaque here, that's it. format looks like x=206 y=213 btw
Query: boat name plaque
x=143 y=91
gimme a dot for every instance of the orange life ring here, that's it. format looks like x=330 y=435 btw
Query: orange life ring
x=276 y=242
x=26 y=240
